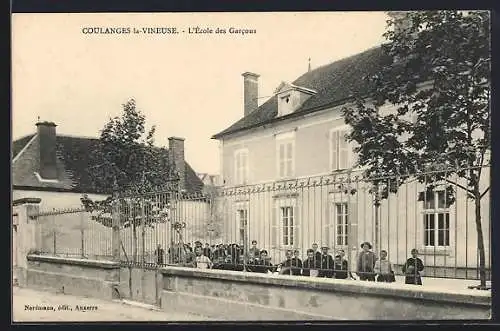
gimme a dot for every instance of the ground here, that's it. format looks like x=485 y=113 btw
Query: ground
x=97 y=310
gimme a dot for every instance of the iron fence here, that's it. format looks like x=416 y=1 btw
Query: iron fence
x=308 y=226
x=72 y=233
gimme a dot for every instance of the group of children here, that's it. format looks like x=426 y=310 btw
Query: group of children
x=319 y=263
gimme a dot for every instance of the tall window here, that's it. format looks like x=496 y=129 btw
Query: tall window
x=436 y=220
x=339 y=150
x=288 y=225
x=285 y=159
x=243 y=223
x=241 y=167
x=341 y=224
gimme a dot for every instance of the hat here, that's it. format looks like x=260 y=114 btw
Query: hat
x=325 y=246
x=366 y=243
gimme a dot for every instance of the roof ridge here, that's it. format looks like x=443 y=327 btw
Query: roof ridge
x=335 y=82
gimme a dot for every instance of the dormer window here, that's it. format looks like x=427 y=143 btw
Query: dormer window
x=291 y=97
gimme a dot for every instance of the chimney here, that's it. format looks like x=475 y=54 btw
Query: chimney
x=250 y=92
x=47 y=147
x=177 y=161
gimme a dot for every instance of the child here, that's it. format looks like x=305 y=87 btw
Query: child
x=296 y=263
x=340 y=267
x=202 y=261
x=341 y=252
x=383 y=268
x=263 y=265
x=310 y=265
x=366 y=263
x=412 y=269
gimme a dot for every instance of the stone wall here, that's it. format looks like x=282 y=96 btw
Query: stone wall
x=228 y=295
x=98 y=279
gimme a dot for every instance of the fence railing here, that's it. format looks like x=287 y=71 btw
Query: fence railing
x=72 y=233
x=310 y=225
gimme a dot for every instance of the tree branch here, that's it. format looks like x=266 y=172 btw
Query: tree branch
x=461 y=186
x=485 y=191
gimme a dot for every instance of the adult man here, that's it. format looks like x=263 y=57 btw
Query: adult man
x=253 y=252
x=207 y=251
x=327 y=263
x=317 y=252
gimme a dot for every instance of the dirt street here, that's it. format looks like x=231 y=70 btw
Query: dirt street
x=27 y=305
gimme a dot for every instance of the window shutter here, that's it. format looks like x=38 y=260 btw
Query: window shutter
x=281 y=160
x=352 y=225
x=343 y=150
x=328 y=217
x=290 y=159
x=244 y=167
x=274 y=227
x=236 y=168
x=295 y=227
x=334 y=149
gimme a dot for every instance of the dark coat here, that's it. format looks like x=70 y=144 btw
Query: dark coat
x=341 y=270
x=309 y=264
x=413 y=277
x=327 y=265
x=292 y=266
x=366 y=265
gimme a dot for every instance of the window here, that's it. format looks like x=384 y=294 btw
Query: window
x=243 y=223
x=436 y=220
x=241 y=167
x=339 y=149
x=285 y=225
x=288 y=225
x=285 y=159
x=336 y=230
x=342 y=221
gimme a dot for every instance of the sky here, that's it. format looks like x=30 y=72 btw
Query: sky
x=187 y=85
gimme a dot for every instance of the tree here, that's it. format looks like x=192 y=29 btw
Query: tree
x=441 y=125
x=126 y=160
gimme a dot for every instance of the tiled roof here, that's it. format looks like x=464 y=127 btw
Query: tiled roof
x=18 y=145
x=73 y=162
x=334 y=83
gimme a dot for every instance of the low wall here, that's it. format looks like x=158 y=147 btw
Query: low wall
x=229 y=295
x=91 y=278
x=141 y=284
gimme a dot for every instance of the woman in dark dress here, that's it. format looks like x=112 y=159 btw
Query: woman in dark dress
x=412 y=269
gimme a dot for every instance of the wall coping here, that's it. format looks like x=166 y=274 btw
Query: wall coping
x=23 y=201
x=73 y=261
x=402 y=291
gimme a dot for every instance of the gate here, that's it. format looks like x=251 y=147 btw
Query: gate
x=153 y=230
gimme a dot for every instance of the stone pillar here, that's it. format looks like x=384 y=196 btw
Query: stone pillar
x=27 y=235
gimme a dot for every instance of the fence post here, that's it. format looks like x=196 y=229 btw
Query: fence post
x=115 y=217
x=82 y=232
x=54 y=230
x=143 y=231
